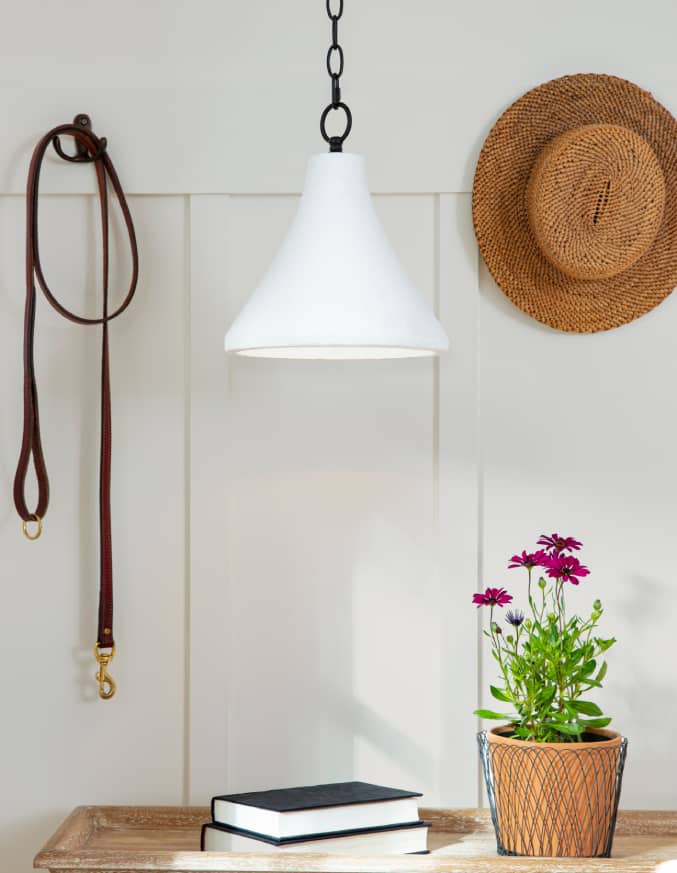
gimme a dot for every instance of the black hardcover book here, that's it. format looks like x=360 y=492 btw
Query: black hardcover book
x=316 y=809
x=314 y=796
x=409 y=838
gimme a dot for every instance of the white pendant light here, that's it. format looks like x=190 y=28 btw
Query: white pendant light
x=336 y=288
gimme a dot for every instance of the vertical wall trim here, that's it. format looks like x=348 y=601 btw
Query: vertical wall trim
x=480 y=522
x=436 y=382
x=458 y=489
x=436 y=468
x=186 y=490
x=436 y=256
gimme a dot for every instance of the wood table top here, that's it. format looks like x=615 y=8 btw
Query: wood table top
x=127 y=839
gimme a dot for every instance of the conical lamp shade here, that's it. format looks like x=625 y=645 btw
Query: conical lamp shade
x=336 y=288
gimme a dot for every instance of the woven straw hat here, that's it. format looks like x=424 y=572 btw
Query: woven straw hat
x=575 y=202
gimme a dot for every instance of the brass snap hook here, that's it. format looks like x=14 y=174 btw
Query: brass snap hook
x=38 y=531
x=107 y=686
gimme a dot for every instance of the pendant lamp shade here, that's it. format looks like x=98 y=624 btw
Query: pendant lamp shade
x=336 y=288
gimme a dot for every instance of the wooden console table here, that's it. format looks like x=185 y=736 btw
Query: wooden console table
x=138 y=839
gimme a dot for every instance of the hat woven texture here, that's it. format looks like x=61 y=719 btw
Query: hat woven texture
x=575 y=202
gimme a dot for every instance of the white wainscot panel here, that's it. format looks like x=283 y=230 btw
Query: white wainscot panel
x=458 y=498
x=314 y=593
x=61 y=745
x=580 y=434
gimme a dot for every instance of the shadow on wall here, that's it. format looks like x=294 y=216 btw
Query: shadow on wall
x=364 y=722
x=344 y=630
x=635 y=690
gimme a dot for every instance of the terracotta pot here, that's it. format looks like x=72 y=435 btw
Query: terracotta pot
x=553 y=799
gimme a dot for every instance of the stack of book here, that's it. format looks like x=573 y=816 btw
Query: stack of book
x=341 y=818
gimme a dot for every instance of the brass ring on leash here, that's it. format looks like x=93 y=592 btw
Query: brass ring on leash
x=27 y=533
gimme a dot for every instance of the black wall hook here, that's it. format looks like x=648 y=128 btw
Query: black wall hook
x=84 y=121
x=82 y=155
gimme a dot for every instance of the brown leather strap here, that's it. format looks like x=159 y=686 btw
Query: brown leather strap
x=90 y=149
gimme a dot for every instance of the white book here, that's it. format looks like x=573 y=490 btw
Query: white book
x=397 y=840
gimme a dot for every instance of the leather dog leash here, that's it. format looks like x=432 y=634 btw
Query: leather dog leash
x=90 y=149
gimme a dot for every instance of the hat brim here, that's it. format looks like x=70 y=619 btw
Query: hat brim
x=500 y=208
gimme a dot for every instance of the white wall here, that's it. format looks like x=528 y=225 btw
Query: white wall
x=296 y=543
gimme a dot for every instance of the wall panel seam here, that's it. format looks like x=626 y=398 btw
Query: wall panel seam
x=436 y=471
x=480 y=511
x=187 y=325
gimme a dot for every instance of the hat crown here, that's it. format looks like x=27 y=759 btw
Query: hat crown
x=595 y=200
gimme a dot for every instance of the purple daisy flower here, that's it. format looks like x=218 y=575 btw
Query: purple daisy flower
x=565 y=567
x=528 y=560
x=559 y=543
x=492 y=597
x=515 y=617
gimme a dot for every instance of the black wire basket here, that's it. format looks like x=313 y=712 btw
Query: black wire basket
x=553 y=799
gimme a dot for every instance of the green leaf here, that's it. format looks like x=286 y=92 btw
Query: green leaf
x=596 y=722
x=601 y=672
x=584 y=673
x=566 y=728
x=501 y=695
x=604 y=644
x=576 y=655
x=488 y=713
x=546 y=696
x=587 y=707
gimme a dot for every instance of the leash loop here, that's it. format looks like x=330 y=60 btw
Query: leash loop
x=89 y=149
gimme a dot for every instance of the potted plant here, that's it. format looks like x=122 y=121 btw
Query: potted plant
x=553 y=772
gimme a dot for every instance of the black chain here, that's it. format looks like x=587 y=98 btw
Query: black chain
x=335 y=70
